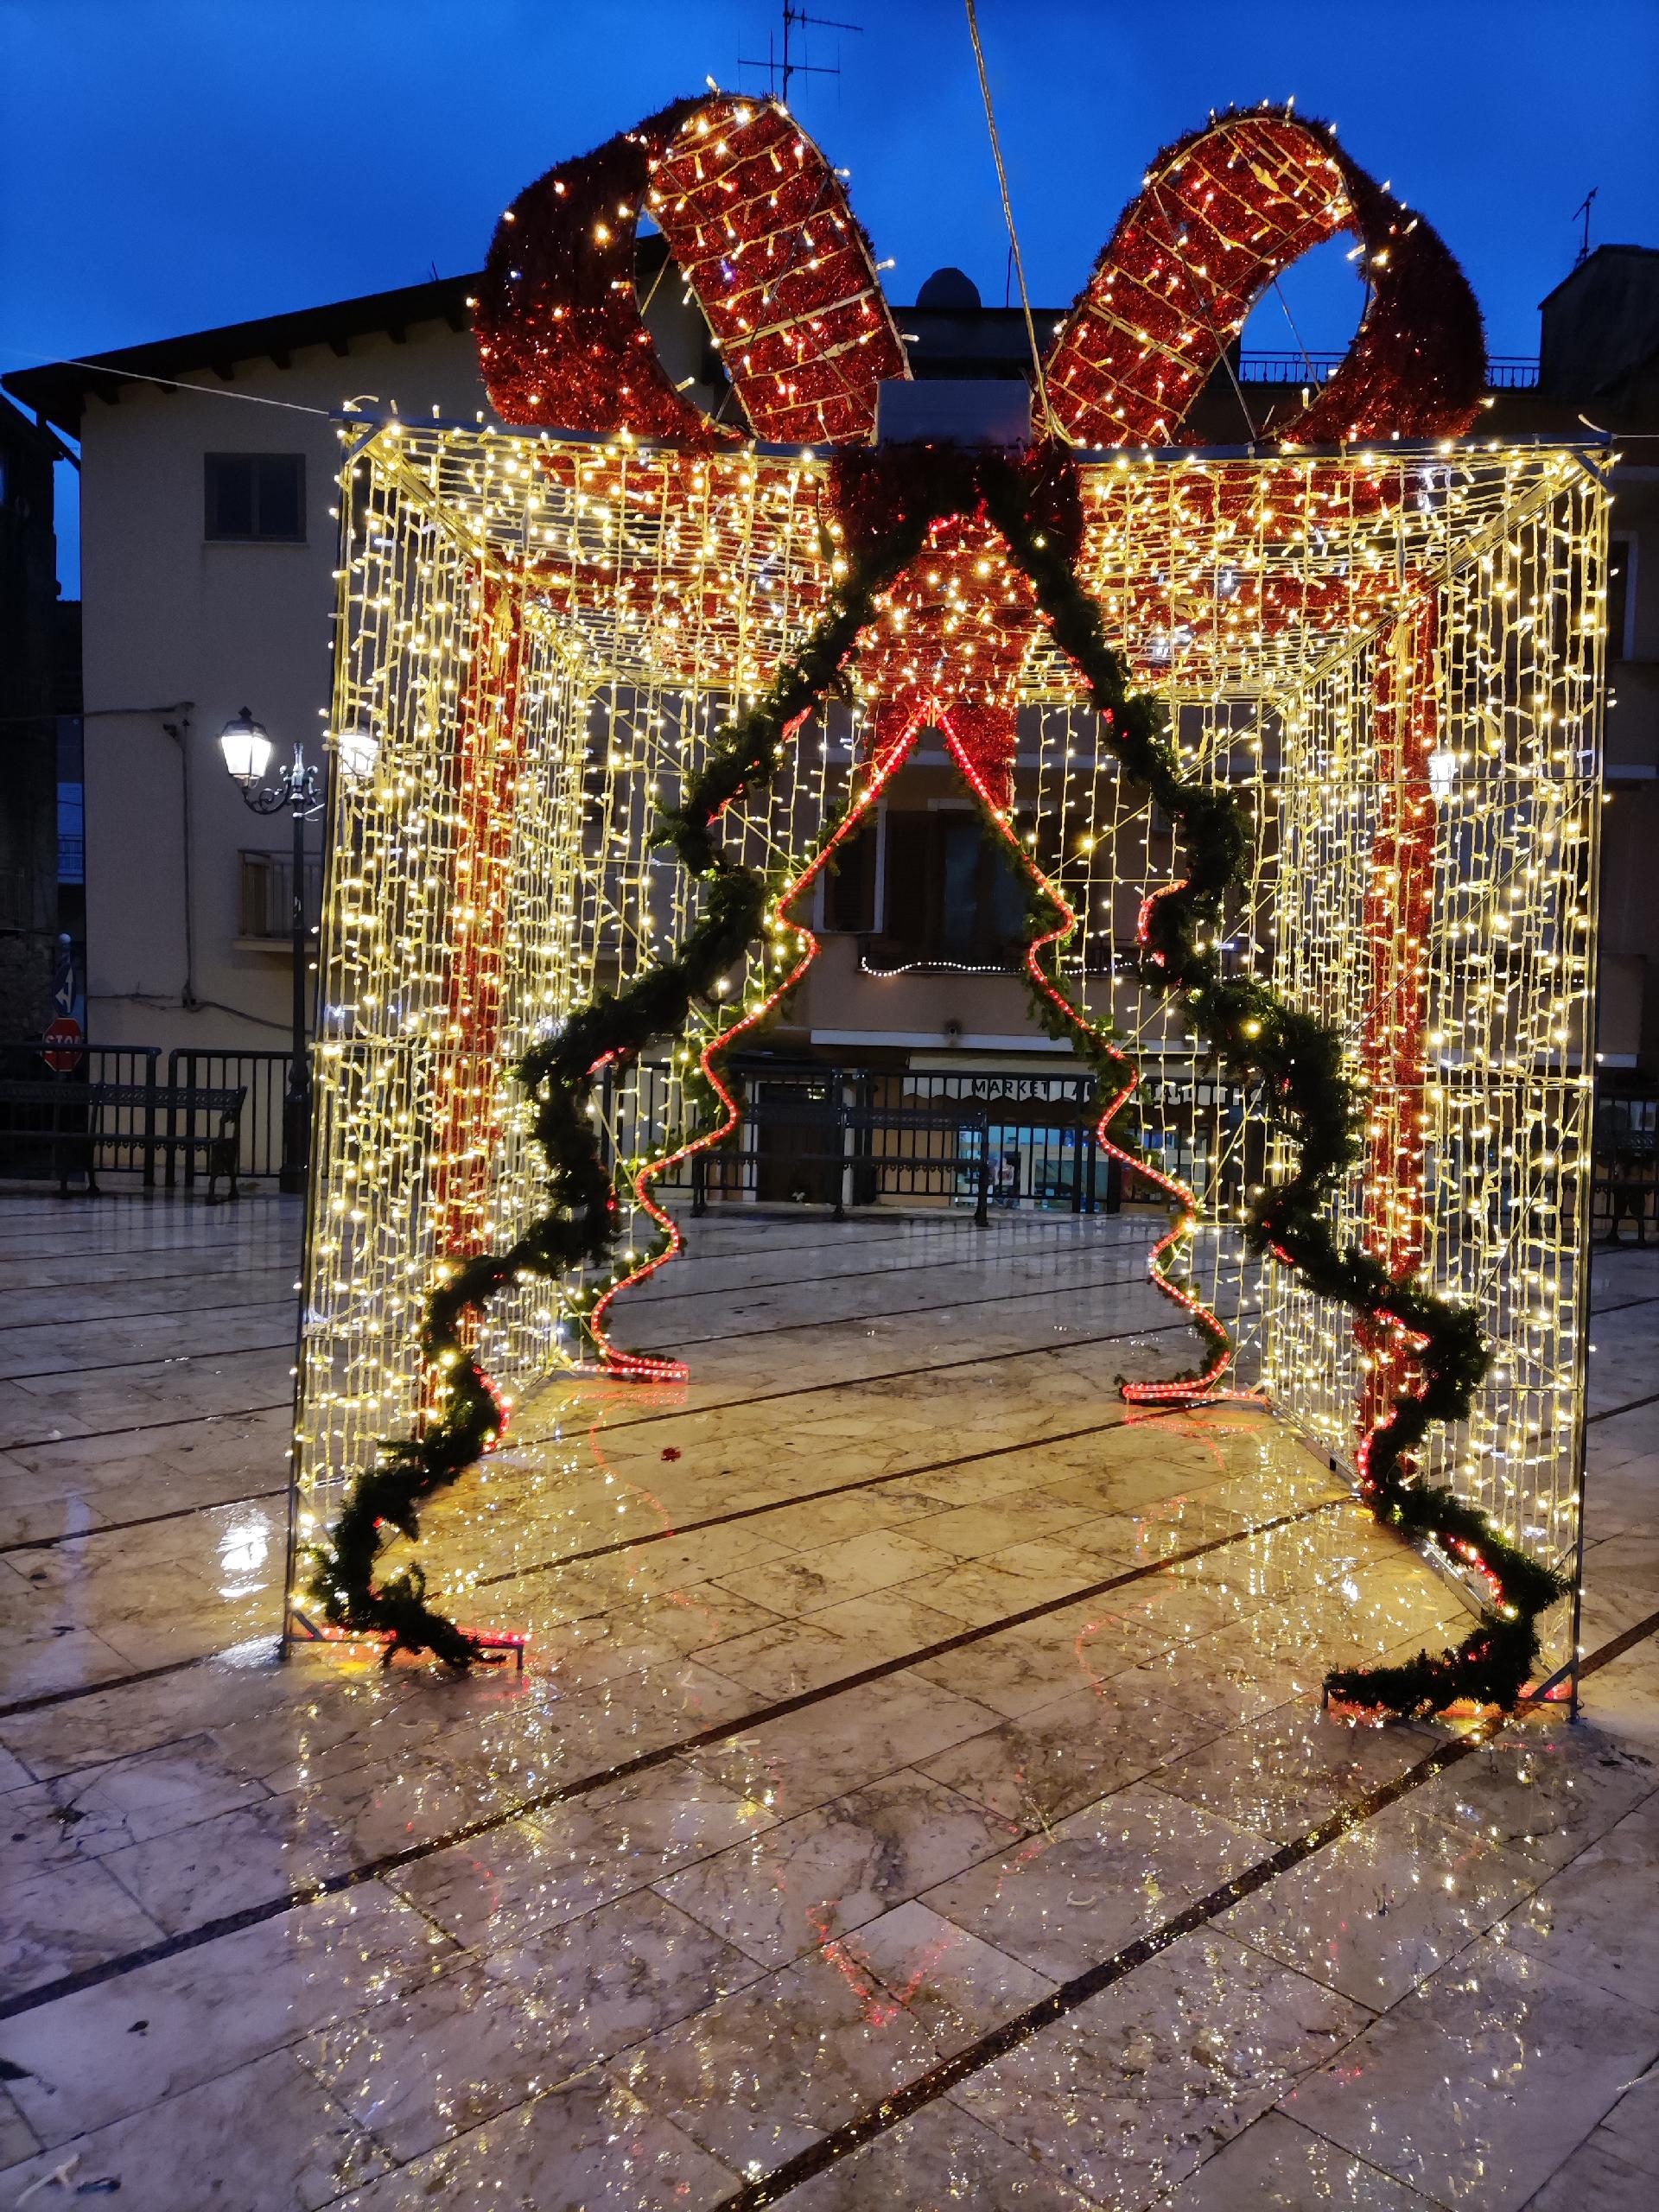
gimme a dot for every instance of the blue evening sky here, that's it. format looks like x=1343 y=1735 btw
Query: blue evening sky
x=167 y=165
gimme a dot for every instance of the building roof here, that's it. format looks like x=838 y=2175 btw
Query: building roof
x=59 y=392
x=1595 y=255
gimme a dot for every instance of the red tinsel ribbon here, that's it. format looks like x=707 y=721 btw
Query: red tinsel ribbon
x=1398 y=904
x=760 y=225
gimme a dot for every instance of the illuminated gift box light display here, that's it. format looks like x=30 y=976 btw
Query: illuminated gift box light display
x=1299 y=749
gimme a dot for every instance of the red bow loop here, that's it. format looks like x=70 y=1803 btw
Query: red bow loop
x=759 y=224
x=1221 y=212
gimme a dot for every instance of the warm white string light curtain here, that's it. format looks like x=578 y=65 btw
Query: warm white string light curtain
x=545 y=634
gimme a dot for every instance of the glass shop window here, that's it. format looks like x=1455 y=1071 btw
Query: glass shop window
x=256 y=498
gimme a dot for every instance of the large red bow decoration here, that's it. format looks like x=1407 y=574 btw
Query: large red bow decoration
x=758 y=221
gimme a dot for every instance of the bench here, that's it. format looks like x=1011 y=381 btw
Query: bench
x=173 y=1119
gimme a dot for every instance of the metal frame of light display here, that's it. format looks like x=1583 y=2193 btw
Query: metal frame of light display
x=1392 y=657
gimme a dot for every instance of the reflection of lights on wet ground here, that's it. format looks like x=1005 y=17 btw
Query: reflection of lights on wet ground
x=243 y=1551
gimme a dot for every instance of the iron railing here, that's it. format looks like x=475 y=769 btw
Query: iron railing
x=1625 y=1179
x=1504 y=371
x=823 y=1134
x=22 y=1152
x=266 y=894
x=809 y=1130
x=839 y=1155
x=1288 y=368
x=264 y=1074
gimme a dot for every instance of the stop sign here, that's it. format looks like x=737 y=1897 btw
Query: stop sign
x=66 y=1030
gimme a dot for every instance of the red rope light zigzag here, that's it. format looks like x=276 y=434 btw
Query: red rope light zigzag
x=759 y=224
x=981 y=740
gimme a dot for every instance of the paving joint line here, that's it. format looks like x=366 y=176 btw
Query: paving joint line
x=141 y=1521
x=839 y=1490
x=927 y=2089
x=887 y=1374
x=168 y=1359
x=174 y=1666
x=904 y=1312
x=1613 y=1412
x=1624 y=1306
x=649 y=1299
x=353 y=1878
x=44 y=1698
x=142 y=1427
x=149 y=1313
x=875 y=2120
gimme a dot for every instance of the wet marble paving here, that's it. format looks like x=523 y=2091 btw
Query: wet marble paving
x=918 y=1794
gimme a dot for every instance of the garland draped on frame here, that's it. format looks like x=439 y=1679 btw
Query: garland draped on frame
x=890 y=501
x=759 y=222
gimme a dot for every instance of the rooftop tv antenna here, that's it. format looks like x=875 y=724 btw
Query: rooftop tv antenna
x=797 y=19
x=1582 y=209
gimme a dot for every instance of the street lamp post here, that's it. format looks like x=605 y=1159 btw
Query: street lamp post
x=246 y=747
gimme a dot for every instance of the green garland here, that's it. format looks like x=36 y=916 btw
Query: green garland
x=1299 y=1061
x=893 y=499
x=581 y=1222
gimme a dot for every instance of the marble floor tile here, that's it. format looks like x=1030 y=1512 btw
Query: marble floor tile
x=585 y=2146
x=105 y=2053
x=802 y=1882
x=1049 y=1762
x=263 y=2135
x=1127 y=2094
x=831 y=2035
x=1595 y=1918
x=1545 y=1788
x=1599 y=2173
x=18 y=2140
x=57 y=1924
x=764 y=2073
x=476 y=2038
x=786 y=1656
x=497 y=1888
x=1036 y=1663
x=938 y=2161
x=1386 y=1904
x=1282 y=1775
x=547 y=1991
x=855 y=1737
x=1634 y=2122
x=228 y=1863
x=1276 y=2165
x=807 y=1581
x=1471 y=2088
x=888 y=1624
x=1075 y=1893
x=974 y=1592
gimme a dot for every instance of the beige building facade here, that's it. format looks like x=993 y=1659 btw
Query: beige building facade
x=209 y=471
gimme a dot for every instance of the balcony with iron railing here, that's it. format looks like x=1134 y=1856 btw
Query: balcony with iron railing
x=266 y=894
x=1504 y=371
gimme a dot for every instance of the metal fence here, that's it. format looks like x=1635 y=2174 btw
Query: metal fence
x=810 y=1133
x=264 y=1076
x=840 y=1137
x=25 y=1153
x=1504 y=371
x=1624 y=1188
x=26 y=1150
